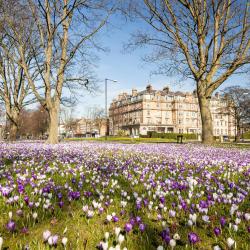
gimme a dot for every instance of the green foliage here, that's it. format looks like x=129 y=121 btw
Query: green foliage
x=121 y=133
x=246 y=135
x=153 y=134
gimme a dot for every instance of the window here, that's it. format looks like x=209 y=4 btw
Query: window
x=148 y=112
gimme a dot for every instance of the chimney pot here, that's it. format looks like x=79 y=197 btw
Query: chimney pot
x=166 y=89
x=134 y=92
x=149 y=88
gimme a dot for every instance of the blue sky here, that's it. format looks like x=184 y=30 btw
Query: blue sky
x=128 y=68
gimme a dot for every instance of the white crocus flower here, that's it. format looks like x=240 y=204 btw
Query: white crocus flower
x=230 y=242
x=64 y=241
x=160 y=248
x=106 y=236
x=217 y=247
x=121 y=238
x=172 y=243
x=1 y=242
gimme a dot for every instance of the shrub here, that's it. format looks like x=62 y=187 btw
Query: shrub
x=153 y=134
x=121 y=133
x=246 y=135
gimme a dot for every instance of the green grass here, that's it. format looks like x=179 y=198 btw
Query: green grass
x=123 y=139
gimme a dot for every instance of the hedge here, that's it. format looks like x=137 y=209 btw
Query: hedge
x=246 y=135
x=153 y=134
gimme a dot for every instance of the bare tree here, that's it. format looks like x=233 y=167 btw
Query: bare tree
x=2 y=121
x=33 y=122
x=238 y=106
x=14 y=88
x=67 y=118
x=98 y=117
x=206 y=40
x=63 y=30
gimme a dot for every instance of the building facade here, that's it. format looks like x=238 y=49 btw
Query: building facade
x=165 y=112
x=90 y=128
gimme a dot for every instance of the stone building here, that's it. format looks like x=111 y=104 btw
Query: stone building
x=165 y=111
x=90 y=128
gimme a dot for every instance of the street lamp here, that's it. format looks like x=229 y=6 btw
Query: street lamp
x=106 y=104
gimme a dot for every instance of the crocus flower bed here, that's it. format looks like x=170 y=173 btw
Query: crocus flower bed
x=115 y=196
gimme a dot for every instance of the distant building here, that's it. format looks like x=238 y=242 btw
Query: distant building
x=165 y=111
x=61 y=129
x=90 y=128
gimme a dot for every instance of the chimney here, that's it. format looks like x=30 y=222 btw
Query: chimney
x=166 y=90
x=119 y=97
x=134 y=92
x=149 y=88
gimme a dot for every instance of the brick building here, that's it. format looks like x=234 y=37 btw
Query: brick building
x=165 y=111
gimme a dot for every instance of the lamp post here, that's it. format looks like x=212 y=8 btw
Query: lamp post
x=106 y=104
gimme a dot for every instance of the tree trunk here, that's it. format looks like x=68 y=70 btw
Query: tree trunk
x=237 y=136
x=206 y=120
x=53 y=126
x=13 y=131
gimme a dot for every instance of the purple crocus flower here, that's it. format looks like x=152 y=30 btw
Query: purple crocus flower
x=26 y=199
x=223 y=221
x=20 y=188
x=19 y=212
x=162 y=199
x=122 y=212
x=55 y=239
x=11 y=226
x=115 y=218
x=132 y=221
x=25 y=230
x=165 y=234
x=142 y=227
x=193 y=238
x=128 y=227
x=59 y=195
x=145 y=202
x=138 y=219
x=217 y=231
x=60 y=203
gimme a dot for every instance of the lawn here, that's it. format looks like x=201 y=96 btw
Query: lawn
x=123 y=139
x=85 y=195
